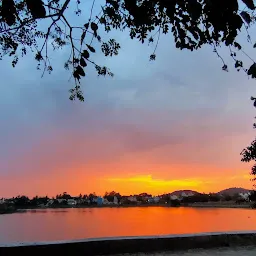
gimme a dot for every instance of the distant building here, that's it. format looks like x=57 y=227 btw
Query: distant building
x=100 y=201
x=156 y=199
x=95 y=200
x=132 y=198
x=245 y=196
x=71 y=202
x=174 y=197
x=184 y=194
x=50 y=202
x=105 y=201
x=151 y=200
x=124 y=199
x=87 y=201
x=61 y=200
x=145 y=197
x=80 y=201
x=115 y=201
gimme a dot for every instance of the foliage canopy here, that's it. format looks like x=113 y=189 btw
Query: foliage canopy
x=193 y=23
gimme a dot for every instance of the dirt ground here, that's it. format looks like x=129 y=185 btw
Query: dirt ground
x=239 y=251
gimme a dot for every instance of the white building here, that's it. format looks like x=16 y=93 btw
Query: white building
x=95 y=200
x=71 y=202
x=156 y=199
x=147 y=198
x=61 y=200
x=115 y=201
x=174 y=197
x=105 y=201
x=184 y=194
x=50 y=202
x=151 y=200
x=132 y=198
x=245 y=196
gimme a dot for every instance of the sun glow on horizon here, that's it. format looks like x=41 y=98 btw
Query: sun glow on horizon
x=149 y=180
x=147 y=183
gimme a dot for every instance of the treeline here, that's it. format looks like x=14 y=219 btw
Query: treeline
x=59 y=200
x=26 y=202
x=65 y=199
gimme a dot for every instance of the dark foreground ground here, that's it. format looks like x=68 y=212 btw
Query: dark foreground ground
x=236 y=251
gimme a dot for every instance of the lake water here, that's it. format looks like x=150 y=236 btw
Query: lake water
x=68 y=224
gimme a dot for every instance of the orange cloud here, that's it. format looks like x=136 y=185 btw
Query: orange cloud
x=129 y=159
x=148 y=180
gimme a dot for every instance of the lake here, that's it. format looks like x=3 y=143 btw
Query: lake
x=68 y=224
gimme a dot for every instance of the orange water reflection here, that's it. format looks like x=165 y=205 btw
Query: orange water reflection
x=49 y=225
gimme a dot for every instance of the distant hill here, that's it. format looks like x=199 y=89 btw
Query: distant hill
x=179 y=192
x=233 y=191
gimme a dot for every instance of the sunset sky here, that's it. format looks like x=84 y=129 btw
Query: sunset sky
x=177 y=123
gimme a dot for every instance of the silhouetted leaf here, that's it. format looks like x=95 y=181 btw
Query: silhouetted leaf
x=103 y=71
x=49 y=69
x=39 y=56
x=76 y=60
x=225 y=67
x=80 y=96
x=90 y=48
x=85 y=54
x=252 y=70
x=15 y=61
x=86 y=25
x=8 y=12
x=102 y=20
x=237 y=45
x=246 y=16
x=83 y=62
x=152 y=57
x=80 y=70
x=110 y=48
x=36 y=8
x=94 y=26
x=76 y=75
x=249 y=4
x=82 y=37
x=238 y=64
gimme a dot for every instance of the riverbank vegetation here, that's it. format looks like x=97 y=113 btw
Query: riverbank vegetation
x=115 y=199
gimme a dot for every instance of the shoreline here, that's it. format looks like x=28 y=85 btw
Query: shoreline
x=194 y=205
x=209 y=205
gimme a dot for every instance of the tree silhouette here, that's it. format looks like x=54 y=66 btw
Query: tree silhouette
x=249 y=153
x=21 y=201
x=110 y=196
x=64 y=195
x=193 y=23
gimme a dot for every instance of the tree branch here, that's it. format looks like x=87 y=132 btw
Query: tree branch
x=57 y=14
